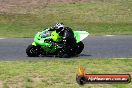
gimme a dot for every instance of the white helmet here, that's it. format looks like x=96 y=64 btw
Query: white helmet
x=59 y=26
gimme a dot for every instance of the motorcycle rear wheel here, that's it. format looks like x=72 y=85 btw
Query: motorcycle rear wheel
x=80 y=47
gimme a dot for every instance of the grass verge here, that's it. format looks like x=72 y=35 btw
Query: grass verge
x=98 y=17
x=58 y=73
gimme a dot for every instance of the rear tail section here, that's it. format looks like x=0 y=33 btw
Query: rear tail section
x=80 y=35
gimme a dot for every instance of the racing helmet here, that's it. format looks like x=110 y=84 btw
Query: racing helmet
x=59 y=26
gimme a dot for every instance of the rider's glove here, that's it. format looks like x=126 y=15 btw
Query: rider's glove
x=54 y=44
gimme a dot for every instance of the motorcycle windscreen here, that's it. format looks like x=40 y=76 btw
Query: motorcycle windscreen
x=80 y=35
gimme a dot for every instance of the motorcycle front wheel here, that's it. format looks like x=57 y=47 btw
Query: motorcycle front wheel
x=33 y=51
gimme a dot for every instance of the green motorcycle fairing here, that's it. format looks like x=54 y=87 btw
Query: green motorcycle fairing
x=41 y=38
x=80 y=35
x=56 y=37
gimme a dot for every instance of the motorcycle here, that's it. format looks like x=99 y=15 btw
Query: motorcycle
x=44 y=44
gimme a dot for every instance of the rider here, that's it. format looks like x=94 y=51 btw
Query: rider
x=66 y=33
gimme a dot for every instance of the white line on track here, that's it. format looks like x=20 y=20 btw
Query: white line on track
x=109 y=35
x=2 y=38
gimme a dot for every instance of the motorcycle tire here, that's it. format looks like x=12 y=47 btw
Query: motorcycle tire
x=62 y=54
x=33 y=51
x=80 y=47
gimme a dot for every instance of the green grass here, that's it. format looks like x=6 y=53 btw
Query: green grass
x=58 y=73
x=99 y=17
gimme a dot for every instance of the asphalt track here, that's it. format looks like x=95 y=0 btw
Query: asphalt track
x=95 y=47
